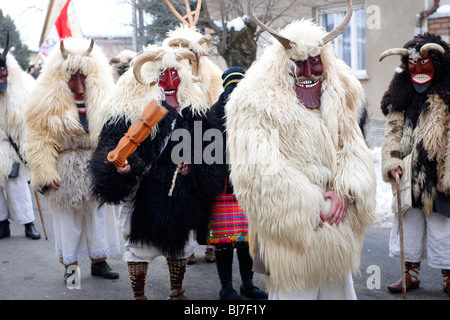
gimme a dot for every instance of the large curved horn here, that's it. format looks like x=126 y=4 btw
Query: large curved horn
x=287 y=44
x=142 y=59
x=391 y=52
x=6 y=48
x=89 y=50
x=179 y=43
x=205 y=39
x=341 y=27
x=430 y=46
x=64 y=52
x=185 y=54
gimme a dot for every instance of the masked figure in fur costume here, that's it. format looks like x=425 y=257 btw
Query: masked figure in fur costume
x=15 y=197
x=206 y=74
x=299 y=164
x=72 y=86
x=416 y=107
x=159 y=223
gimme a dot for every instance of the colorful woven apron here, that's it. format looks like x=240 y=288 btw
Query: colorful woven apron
x=229 y=223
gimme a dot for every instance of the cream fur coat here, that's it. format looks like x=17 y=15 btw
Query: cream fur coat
x=57 y=147
x=283 y=157
x=12 y=108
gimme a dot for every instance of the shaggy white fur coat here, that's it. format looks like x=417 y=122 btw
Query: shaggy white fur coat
x=12 y=108
x=57 y=147
x=283 y=157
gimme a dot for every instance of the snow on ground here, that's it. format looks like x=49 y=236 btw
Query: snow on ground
x=383 y=209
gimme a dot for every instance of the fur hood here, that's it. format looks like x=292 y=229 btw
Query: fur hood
x=129 y=97
x=208 y=74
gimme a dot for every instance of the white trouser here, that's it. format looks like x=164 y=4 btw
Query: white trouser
x=424 y=237
x=143 y=253
x=335 y=291
x=15 y=201
x=82 y=232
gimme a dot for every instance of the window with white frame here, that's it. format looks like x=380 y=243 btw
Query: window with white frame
x=351 y=45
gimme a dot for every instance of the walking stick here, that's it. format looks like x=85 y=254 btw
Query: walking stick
x=400 y=226
x=38 y=201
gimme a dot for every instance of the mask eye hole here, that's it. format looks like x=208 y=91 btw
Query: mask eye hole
x=424 y=61
x=412 y=61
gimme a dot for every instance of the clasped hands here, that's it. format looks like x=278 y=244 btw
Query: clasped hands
x=338 y=209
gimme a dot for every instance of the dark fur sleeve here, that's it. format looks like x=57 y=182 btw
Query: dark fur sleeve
x=108 y=186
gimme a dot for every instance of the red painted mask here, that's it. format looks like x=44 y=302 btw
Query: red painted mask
x=169 y=81
x=77 y=85
x=3 y=78
x=422 y=72
x=308 y=81
x=78 y=88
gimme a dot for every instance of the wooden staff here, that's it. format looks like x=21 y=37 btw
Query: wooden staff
x=137 y=132
x=38 y=201
x=400 y=226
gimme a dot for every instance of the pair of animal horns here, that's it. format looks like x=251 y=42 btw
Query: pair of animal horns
x=288 y=44
x=153 y=56
x=65 y=53
x=404 y=52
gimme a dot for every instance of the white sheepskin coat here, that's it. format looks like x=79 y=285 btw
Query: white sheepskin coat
x=12 y=108
x=57 y=147
x=283 y=157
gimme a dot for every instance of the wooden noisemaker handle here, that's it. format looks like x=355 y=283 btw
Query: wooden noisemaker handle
x=137 y=132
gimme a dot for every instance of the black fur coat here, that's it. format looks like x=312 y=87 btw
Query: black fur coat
x=418 y=123
x=158 y=219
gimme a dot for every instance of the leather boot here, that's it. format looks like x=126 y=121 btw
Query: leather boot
x=192 y=259
x=5 y=232
x=102 y=269
x=210 y=255
x=446 y=278
x=411 y=278
x=137 y=272
x=31 y=232
x=248 y=289
x=224 y=264
x=177 y=269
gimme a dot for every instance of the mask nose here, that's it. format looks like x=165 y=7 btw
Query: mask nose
x=78 y=87
x=169 y=79
x=307 y=69
x=419 y=66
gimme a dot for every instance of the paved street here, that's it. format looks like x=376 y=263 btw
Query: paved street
x=29 y=271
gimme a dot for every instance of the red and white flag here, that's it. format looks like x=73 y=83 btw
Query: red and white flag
x=60 y=30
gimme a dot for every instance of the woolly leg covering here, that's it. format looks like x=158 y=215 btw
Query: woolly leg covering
x=177 y=269
x=137 y=272
x=248 y=289
x=224 y=262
